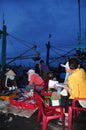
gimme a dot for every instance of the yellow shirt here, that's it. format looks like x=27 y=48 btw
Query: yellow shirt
x=77 y=84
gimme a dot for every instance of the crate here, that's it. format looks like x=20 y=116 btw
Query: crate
x=15 y=101
x=29 y=103
x=25 y=104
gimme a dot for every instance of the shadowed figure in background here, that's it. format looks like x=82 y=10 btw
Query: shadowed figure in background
x=44 y=69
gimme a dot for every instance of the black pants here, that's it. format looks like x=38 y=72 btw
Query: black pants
x=66 y=102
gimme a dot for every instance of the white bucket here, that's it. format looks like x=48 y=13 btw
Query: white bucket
x=55 y=103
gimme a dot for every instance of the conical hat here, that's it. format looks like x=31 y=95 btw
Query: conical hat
x=10 y=73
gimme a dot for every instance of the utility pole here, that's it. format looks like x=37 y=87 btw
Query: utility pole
x=3 y=34
x=48 y=50
x=79 y=34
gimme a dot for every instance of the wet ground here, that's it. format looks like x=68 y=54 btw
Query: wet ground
x=11 y=122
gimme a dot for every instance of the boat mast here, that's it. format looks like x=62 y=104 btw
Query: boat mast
x=79 y=34
x=48 y=50
x=3 y=32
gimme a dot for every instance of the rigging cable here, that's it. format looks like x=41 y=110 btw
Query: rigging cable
x=18 y=57
x=64 y=55
x=23 y=41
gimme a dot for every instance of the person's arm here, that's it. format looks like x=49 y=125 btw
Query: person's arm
x=56 y=87
x=31 y=80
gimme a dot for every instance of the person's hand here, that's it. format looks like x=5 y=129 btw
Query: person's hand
x=56 y=87
x=65 y=82
x=66 y=88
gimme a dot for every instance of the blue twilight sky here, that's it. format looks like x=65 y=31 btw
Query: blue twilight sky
x=29 y=23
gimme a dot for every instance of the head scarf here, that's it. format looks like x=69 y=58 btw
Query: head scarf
x=30 y=73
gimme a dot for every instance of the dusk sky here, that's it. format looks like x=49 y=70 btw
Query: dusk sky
x=29 y=23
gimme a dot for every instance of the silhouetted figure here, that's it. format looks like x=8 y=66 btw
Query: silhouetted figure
x=37 y=69
x=44 y=69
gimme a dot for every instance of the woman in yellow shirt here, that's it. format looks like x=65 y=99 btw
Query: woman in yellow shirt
x=76 y=83
x=77 y=80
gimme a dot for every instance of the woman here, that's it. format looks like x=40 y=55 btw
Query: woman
x=34 y=79
x=76 y=82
